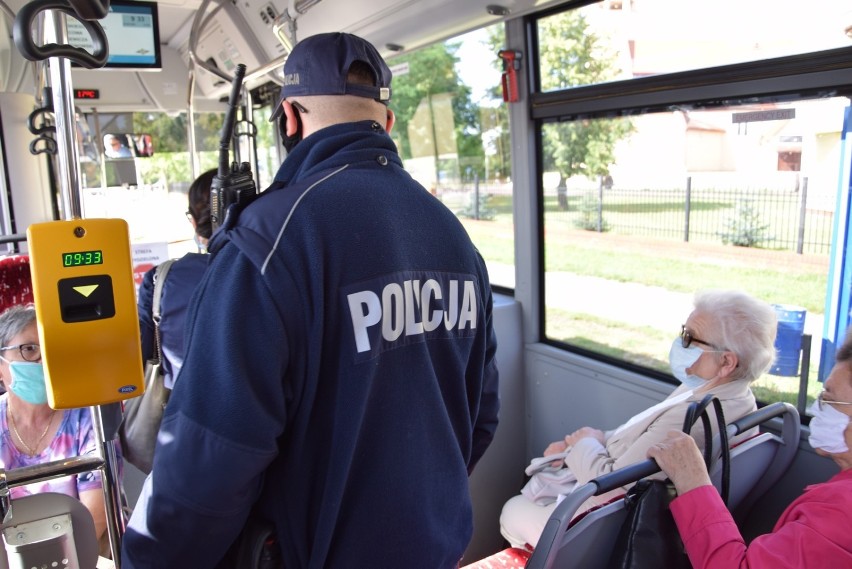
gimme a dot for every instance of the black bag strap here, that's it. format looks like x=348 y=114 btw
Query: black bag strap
x=699 y=409
x=159 y=281
x=696 y=410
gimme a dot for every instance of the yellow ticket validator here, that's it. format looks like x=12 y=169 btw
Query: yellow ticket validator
x=85 y=302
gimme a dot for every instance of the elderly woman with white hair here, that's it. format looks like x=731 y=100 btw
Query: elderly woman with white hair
x=727 y=342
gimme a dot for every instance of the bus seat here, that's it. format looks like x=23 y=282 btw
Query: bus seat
x=16 y=284
x=511 y=558
x=756 y=464
x=759 y=462
x=43 y=529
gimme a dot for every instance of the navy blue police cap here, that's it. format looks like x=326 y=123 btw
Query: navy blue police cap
x=319 y=64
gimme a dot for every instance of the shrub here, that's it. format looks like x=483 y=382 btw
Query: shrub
x=744 y=228
x=588 y=216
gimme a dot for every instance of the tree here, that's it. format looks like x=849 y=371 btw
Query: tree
x=431 y=76
x=572 y=55
x=169 y=132
x=171 y=161
x=495 y=115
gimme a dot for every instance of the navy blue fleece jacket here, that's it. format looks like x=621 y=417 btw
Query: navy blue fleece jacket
x=340 y=374
x=181 y=280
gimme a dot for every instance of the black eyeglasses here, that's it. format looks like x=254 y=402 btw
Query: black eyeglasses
x=686 y=339
x=822 y=401
x=29 y=352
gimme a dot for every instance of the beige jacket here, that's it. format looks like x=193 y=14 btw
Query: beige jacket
x=629 y=444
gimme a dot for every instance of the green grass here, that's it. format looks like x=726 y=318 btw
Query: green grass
x=681 y=274
x=641 y=345
x=495 y=241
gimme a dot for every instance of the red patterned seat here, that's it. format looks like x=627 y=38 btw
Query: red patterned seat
x=512 y=558
x=16 y=284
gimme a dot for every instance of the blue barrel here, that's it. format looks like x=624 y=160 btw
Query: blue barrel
x=788 y=341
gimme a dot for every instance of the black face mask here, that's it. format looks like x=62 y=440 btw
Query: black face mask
x=290 y=142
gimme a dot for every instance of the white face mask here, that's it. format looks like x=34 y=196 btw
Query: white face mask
x=681 y=358
x=828 y=428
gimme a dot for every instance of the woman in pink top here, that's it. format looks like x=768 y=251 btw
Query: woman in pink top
x=812 y=532
x=33 y=433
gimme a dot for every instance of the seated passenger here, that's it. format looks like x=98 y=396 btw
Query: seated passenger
x=812 y=532
x=32 y=432
x=725 y=344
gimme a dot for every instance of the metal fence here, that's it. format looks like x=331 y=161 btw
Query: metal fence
x=755 y=217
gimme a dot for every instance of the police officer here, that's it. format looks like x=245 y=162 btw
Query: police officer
x=340 y=375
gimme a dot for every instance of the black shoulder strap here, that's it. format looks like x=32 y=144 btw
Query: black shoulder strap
x=699 y=409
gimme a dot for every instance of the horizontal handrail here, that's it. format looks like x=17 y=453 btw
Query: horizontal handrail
x=14 y=238
x=51 y=470
x=625 y=476
x=756 y=418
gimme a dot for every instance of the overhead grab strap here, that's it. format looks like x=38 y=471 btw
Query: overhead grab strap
x=22 y=34
x=90 y=9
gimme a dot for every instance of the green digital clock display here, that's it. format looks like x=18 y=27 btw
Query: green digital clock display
x=82 y=258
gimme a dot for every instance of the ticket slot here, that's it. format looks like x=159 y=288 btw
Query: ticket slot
x=86 y=298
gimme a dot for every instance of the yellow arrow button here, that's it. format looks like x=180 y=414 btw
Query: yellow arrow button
x=86 y=290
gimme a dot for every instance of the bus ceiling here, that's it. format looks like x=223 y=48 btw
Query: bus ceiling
x=258 y=34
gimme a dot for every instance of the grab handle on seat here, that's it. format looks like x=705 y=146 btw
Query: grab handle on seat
x=625 y=476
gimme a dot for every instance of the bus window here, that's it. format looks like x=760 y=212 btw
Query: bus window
x=683 y=201
x=453 y=135
x=150 y=193
x=648 y=198
x=268 y=160
x=615 y=39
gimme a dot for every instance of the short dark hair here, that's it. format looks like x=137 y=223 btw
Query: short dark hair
x=199 y=203
x=844 y=352
x=360 y=73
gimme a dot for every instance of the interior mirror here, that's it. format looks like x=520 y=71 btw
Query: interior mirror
x=118 y=145
x=144 y=145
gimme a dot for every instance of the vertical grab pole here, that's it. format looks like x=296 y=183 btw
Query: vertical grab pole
x=111 y=487
x=190 y=123
x=63 y=107
x=69 y=179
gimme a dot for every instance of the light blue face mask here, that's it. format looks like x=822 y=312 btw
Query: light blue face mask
x=202 y=247
x=28 y=382
x=681 y=358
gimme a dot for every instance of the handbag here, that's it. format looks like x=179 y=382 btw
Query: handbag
x=548 y=482
x=649 y=538
x=143 y=414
